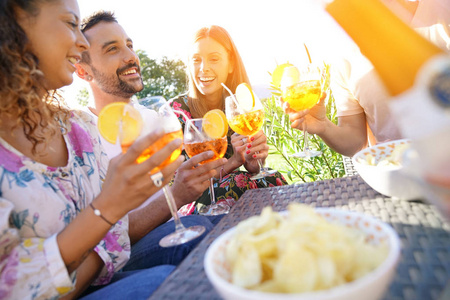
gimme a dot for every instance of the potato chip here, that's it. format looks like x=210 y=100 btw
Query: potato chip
x=296 y=271
x=327 y=272
x=265 y=243
x=269 y=286
x=298 y=252
x=247 y=269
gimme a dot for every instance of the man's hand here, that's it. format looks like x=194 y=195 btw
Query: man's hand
x=192 y=179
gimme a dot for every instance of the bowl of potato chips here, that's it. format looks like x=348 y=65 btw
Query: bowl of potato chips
x=304 y=253
x=382 y=167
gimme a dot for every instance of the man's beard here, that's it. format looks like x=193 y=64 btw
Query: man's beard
x=113 y=85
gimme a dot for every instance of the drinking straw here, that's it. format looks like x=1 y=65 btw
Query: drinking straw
x=307 y=52
x=233 y=97
x=189 y=123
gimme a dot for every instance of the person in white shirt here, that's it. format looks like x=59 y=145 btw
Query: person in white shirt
x=362 y=101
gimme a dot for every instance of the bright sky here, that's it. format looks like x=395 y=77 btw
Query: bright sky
x=266 y=32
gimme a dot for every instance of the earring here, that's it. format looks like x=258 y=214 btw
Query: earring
x=88 y=77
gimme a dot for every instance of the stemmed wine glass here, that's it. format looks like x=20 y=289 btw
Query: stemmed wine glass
x=302 y=95
x=159 y=114
x=247 y=123
x=197 y=141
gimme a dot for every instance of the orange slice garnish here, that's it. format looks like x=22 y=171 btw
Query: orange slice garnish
x=277 y=74
x=215 y=124
x=245 y=97
x=119 y=114
x=291 y=76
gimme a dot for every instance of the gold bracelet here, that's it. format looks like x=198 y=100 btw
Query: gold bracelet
x=98 y=213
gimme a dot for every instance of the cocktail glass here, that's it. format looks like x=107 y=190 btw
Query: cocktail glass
x=304 y=95
x=247 y=123
x=159 y=114
x=196 y=141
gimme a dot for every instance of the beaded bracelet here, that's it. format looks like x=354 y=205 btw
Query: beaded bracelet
x=99 y=214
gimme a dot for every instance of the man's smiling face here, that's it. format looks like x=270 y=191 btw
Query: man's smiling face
x=114 y=64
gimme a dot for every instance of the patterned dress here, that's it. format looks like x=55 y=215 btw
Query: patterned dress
x=231 y=186
x=37 y=202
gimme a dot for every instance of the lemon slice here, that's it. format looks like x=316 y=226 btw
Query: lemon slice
x=291 y=76
x=215 y=124
x=278 y=74
x=115 y=113
x=245 y=97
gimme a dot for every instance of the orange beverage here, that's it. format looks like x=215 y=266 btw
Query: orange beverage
x=218 y=146
x=303 y=95
x=248 y=123
x=167 y=138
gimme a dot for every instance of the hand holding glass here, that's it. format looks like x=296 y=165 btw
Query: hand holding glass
x=304 y=95
x=161 y=115
x=247 y=123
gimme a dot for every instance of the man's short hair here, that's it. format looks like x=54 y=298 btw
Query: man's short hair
x=91 y=21
x=97 y=17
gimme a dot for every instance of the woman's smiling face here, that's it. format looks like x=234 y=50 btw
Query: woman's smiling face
x=209 y=65
x=56 y=40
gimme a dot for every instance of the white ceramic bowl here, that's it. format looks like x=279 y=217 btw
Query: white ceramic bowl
x=372 y=286
x=387 y=180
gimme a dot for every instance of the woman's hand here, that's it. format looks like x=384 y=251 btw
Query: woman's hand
x=257 y=148
x=239 y=143
x=128 y=184
x=314 y=117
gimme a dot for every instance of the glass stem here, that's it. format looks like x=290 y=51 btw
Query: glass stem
x=211 y=191
x=261 y=167
x=305 y=138
x=173 y=209
x=260 y=164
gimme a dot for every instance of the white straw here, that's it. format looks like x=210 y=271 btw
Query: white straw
x=228 y=90
x=233 y=97
x=189 y=123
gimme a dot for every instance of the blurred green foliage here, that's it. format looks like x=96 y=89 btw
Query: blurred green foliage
x=83 y=97
x=164 y=77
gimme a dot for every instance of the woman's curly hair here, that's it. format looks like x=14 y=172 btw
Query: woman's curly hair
x=21 y=80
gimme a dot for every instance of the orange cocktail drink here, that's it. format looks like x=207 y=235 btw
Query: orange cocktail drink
x=245 y=114
x=303 y=95
x=167 y=138
x=247 y=123
x=207 y=134
x=301 y=89
x=217 y=146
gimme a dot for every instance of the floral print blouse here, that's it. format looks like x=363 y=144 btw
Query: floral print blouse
x=37 y=202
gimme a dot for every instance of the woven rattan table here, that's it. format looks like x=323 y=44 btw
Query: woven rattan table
x=422 y=273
